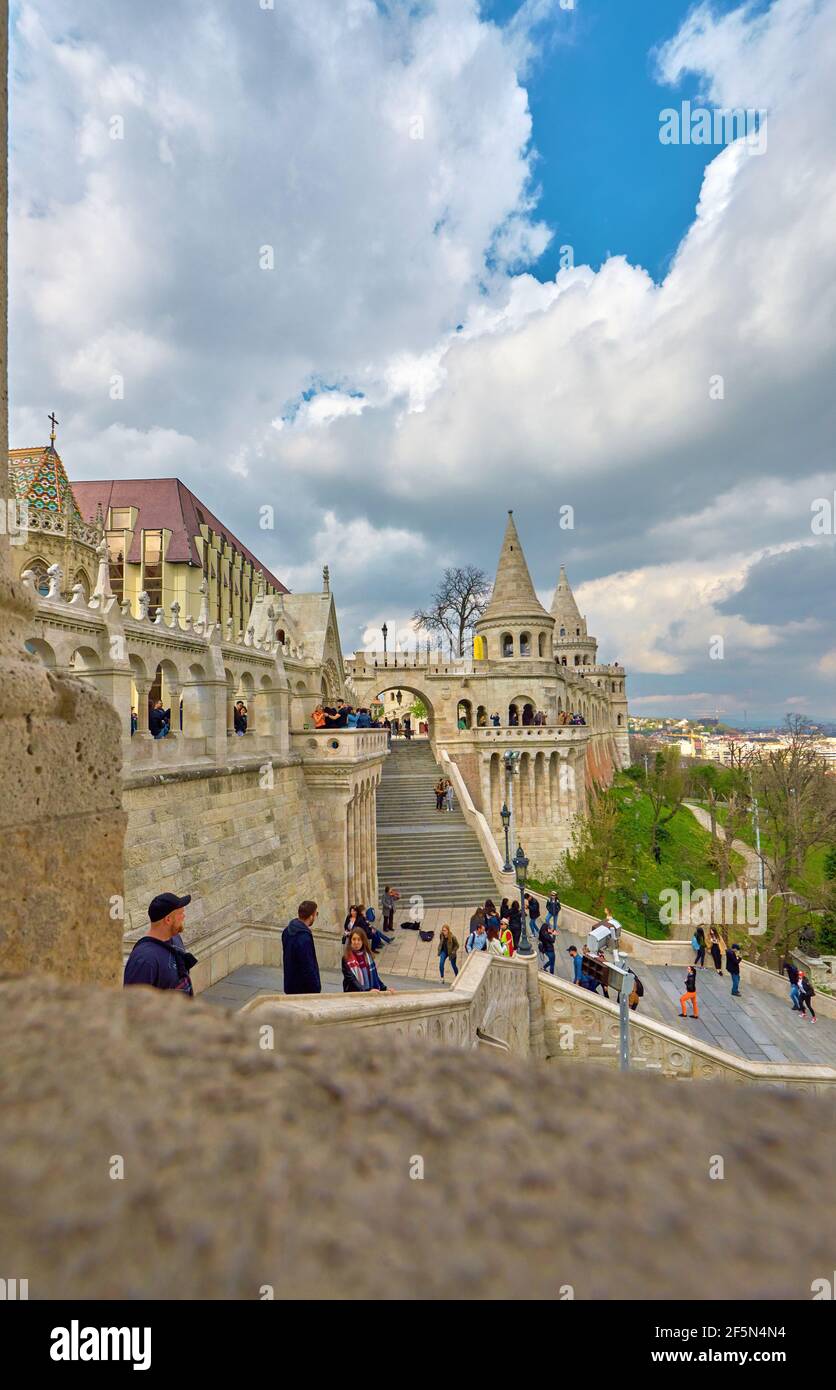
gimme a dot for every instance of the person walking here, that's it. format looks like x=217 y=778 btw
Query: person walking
x=698 y=945
x=390 y=898
x=533 y=913
x=359 y=969
x=791 y=972
x=577 y=966
x=805 y=995
x=495 y=946
x=155 y=960
x=733 y=967
x=300 y=965
x=506 y=936
x=448 y=949
x=448 y=796
x=552 y=910
x=636 y=993
x=548 y=936
x=477 y=940
x=440 y=789
x=716 y=947
x=690 y=993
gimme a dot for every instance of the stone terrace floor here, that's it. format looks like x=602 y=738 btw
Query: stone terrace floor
x=760 y=1027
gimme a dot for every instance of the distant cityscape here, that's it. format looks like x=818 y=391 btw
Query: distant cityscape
x=713 y=740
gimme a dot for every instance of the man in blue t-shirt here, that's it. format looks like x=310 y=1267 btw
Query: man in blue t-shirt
x=155 y=959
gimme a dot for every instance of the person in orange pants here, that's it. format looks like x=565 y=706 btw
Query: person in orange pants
x=690 y=993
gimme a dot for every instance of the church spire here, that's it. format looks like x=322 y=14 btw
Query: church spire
x=513 y=592
x=564 y=609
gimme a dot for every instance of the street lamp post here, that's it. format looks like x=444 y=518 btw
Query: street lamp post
x=385 y=632
x=644 y=910
x=505 y=817
x=521 y=869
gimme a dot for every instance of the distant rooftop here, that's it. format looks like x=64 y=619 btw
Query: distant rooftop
x=164 y=504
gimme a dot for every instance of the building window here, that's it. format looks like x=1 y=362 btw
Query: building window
x=120 y=518
x=38 y=568
x=525 y=644
x=116 y=558
x=541 y=644
x=507 y=644
x=152 y=577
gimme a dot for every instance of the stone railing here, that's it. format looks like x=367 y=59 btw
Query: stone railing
x=490 y=996
x=580 y=1027
x=62 y=524
x=339 y=745
x=569 y=733
x=510 y=1004
x=477 y=822
x=671 y=951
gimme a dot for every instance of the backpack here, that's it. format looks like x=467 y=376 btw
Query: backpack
x=370 y=914
x=695 y=945
x=638 y=986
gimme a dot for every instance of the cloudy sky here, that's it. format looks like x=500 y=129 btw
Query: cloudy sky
x=394 y=266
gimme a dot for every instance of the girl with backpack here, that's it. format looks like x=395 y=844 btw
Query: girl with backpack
x=805 y=994
x=698 y=945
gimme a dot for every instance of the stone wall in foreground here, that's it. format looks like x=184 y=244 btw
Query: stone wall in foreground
x=294 y=1167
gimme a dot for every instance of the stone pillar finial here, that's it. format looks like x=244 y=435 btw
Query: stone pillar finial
x=102 y=591
x=78 y=600
x=203 y=620
x=175 y=616
x=144 y=602
x=56 y=575
x=159 y=617
x=326 y=580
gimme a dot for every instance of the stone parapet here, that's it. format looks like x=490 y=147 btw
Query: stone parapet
x=579 y=1027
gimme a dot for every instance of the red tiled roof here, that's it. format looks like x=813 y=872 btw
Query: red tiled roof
x=163 y=503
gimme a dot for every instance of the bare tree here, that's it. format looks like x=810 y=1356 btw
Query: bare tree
x=797 y=801
x=461 y=598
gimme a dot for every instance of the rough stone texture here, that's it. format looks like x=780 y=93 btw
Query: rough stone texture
x=290 y=1168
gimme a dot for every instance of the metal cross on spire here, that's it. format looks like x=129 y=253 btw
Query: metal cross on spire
x=53 y=422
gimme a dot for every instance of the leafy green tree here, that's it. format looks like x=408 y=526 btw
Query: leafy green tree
x=597 y=863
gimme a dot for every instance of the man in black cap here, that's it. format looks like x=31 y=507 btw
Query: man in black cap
x=155 y=960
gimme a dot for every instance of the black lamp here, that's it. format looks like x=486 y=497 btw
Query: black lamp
x=505 y=817
x=385 y=632
x=521 y=871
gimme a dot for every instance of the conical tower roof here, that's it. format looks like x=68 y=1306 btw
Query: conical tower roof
x=38 y=476
x=564 y=609
x=513 y=592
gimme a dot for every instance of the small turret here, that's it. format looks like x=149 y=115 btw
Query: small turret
x=572 y=644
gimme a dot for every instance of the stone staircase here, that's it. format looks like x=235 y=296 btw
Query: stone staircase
x=421 y=851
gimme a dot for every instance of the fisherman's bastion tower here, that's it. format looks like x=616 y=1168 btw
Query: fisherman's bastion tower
x=525 y=662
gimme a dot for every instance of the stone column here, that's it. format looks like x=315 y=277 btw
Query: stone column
x=143 y=686
x=350 y=837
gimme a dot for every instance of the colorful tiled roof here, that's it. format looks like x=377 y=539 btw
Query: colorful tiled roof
x=38 y=476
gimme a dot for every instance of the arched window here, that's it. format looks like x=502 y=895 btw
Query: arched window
x=507 y=643
x=464 y=715
x=541 y=644
x=577 y=660
x=563 y=632
x=280 y=637
x=39 y=569
x=525 y=644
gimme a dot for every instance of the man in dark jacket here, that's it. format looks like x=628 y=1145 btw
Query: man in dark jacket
x=301 y=968
x=733 y=967
x=159 y=958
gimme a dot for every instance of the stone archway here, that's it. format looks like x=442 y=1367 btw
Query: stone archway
x=410 y=694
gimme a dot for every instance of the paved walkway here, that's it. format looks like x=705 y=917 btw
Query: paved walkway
x=243 y=984
x=752 y=862
x=758 y=1026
